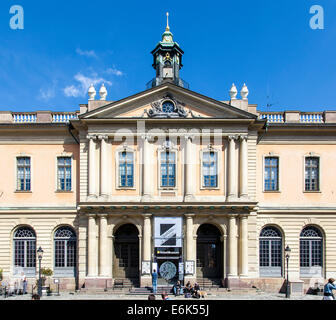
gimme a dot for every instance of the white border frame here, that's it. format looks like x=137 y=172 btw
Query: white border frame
x=271 y=155
x=311 y=154
x=28 y=155
x=173 y=149
x=64 y=155
x=210 y=148
x=119 y=149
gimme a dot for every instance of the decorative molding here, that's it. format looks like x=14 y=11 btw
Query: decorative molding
x=156 y=108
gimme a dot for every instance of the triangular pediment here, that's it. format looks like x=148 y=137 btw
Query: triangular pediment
x=185 y=104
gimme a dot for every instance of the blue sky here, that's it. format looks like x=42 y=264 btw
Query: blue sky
x=267 y=44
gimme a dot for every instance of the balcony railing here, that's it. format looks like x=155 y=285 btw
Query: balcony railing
x=61 y=117
x=24 y=117
x=273 y=117
x=298 y=117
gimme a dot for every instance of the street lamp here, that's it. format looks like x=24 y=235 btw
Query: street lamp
x=287 y=251
x=39 y=255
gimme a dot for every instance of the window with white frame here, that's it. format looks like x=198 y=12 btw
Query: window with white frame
x=312 y=167
x=65 y=251
x=270 y=252
x=209 y=169
x=64 y=173
x=126 y=169
x=23 y=174
x=24 y=251
x=168 y=168
x=271 y=174
x=311 y=252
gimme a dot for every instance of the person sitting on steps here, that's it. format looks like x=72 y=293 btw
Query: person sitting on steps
x=177 y=288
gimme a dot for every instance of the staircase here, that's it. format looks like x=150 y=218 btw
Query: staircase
x=121 y=286
x=148 y=290
x=209 y=283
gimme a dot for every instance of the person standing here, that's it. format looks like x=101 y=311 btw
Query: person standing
x=154 y=280
x=328 y=288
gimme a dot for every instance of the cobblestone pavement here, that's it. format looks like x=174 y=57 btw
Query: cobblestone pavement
x=213 y=296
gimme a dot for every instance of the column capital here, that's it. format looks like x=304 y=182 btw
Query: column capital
x=147 y=215
x=232 y=215
x=232 y=137
x=103 y=216
x=91 y=215
x=189 y=215
x=102 y=137
x=146 y=136
x=243 y=137
x=91 y=136
x=189 y=136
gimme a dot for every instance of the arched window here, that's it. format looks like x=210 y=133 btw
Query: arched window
x=65 y=252
x=24 y=251
x=311 y=250
x=270 y=252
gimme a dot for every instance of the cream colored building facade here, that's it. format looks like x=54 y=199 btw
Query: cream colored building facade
x=168 y=179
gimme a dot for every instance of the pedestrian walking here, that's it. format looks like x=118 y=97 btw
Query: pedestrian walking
x=154 y=280
x=328 y=290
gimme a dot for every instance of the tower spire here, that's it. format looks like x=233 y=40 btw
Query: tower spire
x=167 y=28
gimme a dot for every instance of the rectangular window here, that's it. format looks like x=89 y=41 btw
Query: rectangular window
x=210 y=169
x=64 y=173
x=312 y=174
x=271 y=174
x=167 y=169
x=126 y=168
x=23 y=174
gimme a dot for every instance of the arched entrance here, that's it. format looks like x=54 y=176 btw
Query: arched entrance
x=209 y=252
x=126 y=253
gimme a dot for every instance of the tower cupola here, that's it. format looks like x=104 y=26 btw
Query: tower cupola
x=167 y=61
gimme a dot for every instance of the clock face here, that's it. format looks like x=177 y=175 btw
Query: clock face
x=168 y=270
x=168 y=107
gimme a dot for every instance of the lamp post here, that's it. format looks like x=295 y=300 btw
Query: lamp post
x=287 y=251
x=39 y=255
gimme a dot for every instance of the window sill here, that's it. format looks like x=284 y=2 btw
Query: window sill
x=272 y=191
x=312 y=191
x=64 y=191
x=210 y=188
x=125 y=188
x=23 y=191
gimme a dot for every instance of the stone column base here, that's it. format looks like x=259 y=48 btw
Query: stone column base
x=98 y=283
x=145 y=281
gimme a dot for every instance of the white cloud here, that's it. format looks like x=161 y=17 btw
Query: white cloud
x=114 y=71
x=46 y=94
x=72 y=91
x=87 y=53
x=84 y=82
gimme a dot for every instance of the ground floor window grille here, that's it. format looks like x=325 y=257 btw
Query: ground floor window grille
x=270 y=252
x=25 y=251
x=65 y=251
x=311 y=252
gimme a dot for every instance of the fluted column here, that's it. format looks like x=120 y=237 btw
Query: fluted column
x=92 y=250
x=189 y=173
x=103 y=247
x=103 y=167
x=147 y=236
x=243 y=246
x=147 y=168
x=243 y=167
x=233 y=254
x=92 y=165
x=232 y=185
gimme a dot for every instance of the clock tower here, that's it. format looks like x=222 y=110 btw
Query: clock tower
x=167 y=60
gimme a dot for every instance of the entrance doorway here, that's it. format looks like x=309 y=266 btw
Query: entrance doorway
x=209 y=252
x=126 y=253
